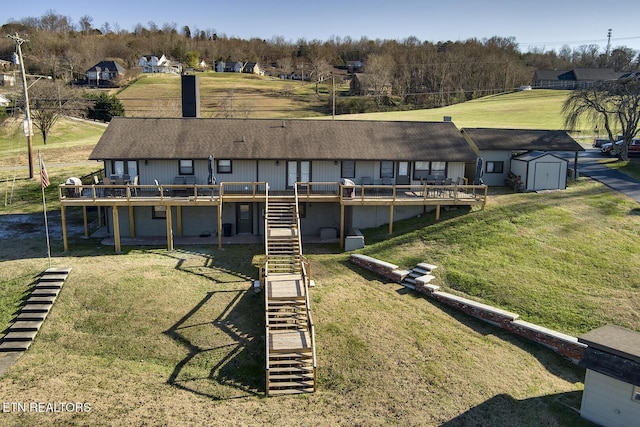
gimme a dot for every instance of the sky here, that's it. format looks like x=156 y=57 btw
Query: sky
x=543 y=25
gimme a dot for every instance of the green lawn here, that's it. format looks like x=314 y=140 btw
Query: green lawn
x=150 y=337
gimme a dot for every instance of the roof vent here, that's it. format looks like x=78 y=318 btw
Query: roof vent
x=283 y=124
x=447 y=118
x=243 y=140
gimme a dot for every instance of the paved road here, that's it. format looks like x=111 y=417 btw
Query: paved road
x=588 y=165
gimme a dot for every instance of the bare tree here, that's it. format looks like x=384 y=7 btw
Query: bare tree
x=614 y=105
x=85 y=24
x=51 y=100
x=379 y=69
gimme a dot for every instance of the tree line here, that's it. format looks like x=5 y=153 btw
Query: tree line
x=418 y=74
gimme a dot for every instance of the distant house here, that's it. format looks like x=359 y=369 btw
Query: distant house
x=229 y=67
x=611 y=396
x=105 y=73
x=253 y=68
x=530 y=154
x=577 y=78
x=4 y=101
x=159 y=64
x=239 y=67
x=7 y=79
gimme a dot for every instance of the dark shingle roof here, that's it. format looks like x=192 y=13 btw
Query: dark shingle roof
x=197 y=138
x=613 y=351
x=522 y=139
x=108 y=64
x=615 y=340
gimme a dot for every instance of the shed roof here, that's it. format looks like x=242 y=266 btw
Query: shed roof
x=535 y=155
x=613 y=351
x=615 y=340
x=197 y=138
x=522 y=139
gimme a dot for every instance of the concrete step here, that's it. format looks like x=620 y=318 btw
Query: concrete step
x=26 y=325
x=20 y=336
x=44 y=292
x=41 y=300
x=8 y=346
x=55 y=284
x=31 y=316
x=36 y=308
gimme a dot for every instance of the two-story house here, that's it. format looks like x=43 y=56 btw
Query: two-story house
x=159 y=64
x=105 y=73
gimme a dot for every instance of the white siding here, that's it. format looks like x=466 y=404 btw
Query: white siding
x=497 y=179
x=607 y=401
x=274 y=174
x=325 y=171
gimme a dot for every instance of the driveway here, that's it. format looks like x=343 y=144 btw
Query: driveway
x=588 y=165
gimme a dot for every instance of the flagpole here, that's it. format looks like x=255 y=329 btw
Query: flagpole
x=45 y=183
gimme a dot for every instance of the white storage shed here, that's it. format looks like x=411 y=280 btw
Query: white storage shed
x=540 y=170
x=611 y=396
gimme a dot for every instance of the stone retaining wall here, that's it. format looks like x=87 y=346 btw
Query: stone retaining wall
x=565 y=345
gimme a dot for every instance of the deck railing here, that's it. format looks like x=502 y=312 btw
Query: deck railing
x=304 y=191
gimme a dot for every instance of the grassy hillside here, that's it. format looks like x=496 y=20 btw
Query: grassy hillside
x=156 y=337
x=242 y=95
x=534 y=109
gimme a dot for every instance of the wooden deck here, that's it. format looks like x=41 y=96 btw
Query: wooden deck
x=179 y=196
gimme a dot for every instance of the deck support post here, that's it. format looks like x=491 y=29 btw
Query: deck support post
x=169 y=229
x=179 y=219
x=84 y=220
x=341 y=225
x=132 y=222
x=220 y=225
x=437 y=212
x=63 y=215
x=391 y=218
x=116 y=229
x=99 y=216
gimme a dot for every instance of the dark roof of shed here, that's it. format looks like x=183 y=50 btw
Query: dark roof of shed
x=522 y=139
x=611 y=365
x=591 y=74
x=615 y=340
x=197 y=138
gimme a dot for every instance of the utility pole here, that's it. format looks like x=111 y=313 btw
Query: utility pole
x=608 y=44
x=28 y=128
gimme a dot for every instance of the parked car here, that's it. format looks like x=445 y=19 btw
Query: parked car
x=634 y=147
x=608 y=148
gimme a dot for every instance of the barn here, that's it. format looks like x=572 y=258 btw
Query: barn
x=611 y=396
x=540 y=171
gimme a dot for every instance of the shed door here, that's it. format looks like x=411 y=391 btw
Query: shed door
x=547 y=176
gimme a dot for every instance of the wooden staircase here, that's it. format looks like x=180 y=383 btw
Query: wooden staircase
x=290 y=346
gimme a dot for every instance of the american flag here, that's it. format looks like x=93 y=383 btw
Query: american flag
x=43 y=174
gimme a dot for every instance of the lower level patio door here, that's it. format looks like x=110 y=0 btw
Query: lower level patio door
x=244 y=218
x=298 y=171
